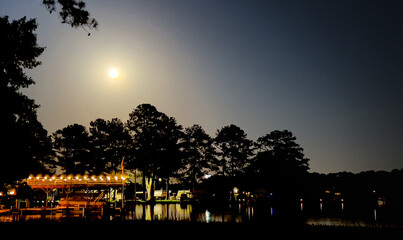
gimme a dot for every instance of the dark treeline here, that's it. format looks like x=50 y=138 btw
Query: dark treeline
x=157 y=146
x=273 y=168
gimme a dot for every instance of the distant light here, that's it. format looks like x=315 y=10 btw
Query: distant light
x=207 y=176
x=208 y=216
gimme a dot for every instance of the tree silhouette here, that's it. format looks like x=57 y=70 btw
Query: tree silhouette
x=155 y=149
x=25 y=147
x=199 y=155
x=72 y=12
x=280 y=154
x=72 y=147
x=235 y=150
x=110 y=143
x=280 y=166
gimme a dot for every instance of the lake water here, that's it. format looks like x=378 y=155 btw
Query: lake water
x=242 y=213
x=336 y=216
x=186 y=212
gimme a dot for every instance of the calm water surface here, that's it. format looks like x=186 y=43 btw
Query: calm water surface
x=238 y=214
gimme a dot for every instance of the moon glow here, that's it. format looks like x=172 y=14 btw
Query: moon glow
x=114 y=73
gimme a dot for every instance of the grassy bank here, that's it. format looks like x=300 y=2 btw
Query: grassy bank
x=103 y=230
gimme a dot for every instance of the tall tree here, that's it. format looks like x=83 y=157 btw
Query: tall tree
x=155 y=144
x=279 y=154
x=72 y=147
x=25 y=147
x=235 y=150
x=281 y=167
x=110 y=142
x=199 y=155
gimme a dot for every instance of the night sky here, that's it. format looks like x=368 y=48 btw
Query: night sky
x=329 y=71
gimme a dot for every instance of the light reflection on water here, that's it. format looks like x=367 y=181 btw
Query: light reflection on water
x=337 y=222
x=178 y=212
x=242 y=213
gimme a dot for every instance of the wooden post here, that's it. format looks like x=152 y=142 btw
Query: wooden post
x=46 y=202
x=135 y=183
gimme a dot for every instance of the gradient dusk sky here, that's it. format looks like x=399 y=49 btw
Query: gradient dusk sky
x=328 y=71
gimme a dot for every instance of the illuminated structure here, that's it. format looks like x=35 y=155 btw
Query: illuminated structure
x=75 y=181
x=68 y=183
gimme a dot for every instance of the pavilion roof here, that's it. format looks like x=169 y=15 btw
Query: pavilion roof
x=71 y=181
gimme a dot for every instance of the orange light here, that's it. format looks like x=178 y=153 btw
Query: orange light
x=11 y=192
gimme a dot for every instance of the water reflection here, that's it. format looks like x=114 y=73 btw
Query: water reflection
x=327 y=215
x=175 y=212
x=188 y=212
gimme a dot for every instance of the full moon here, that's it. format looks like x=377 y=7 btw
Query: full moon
x=114 y=73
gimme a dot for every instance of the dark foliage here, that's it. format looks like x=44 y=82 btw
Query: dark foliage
x=25 y=145
x=156 y=143
x=199 y=156
x=72 y=147
x=235 y=150
x=110 y=143
x=72 y=12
